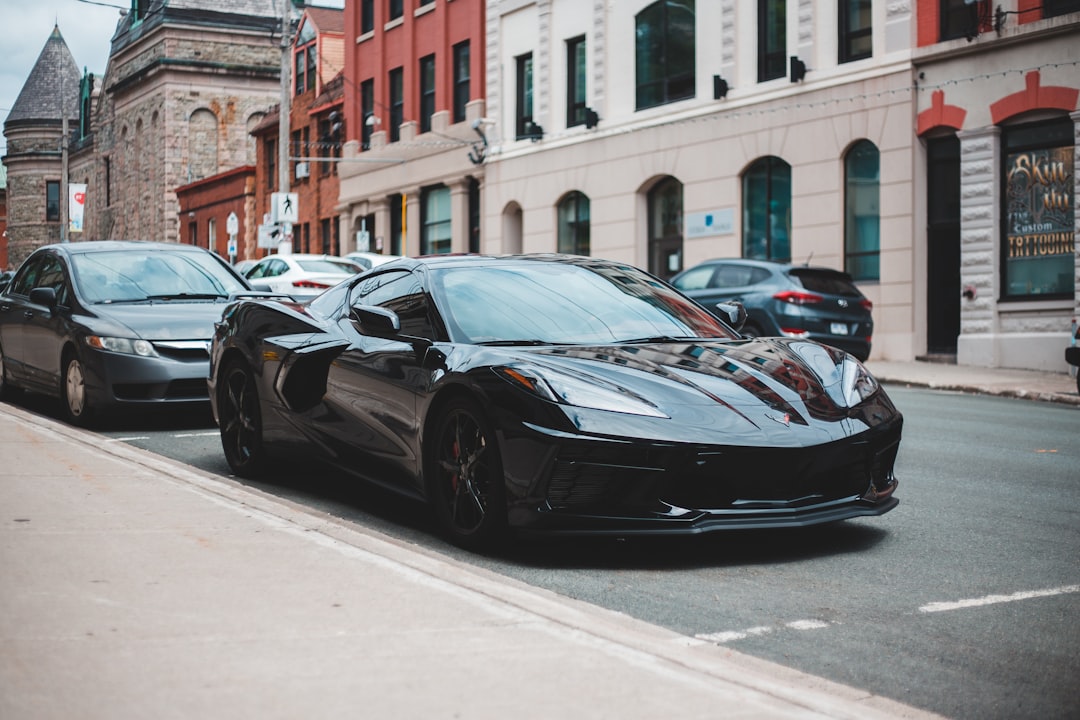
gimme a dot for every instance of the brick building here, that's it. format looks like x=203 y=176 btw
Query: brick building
x=316 y=127
x=413 y=168
x=205 y=207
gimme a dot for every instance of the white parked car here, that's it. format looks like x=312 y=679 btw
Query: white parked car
x=301 y=275
x=369 y=259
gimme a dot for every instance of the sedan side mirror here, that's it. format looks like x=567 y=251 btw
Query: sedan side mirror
x=734 y=313
x=43 y=296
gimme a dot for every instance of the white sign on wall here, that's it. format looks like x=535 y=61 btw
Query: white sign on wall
x=709 y=223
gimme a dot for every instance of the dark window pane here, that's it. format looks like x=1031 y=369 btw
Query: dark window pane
x=767 y=210
x=397 y=103
x=427 y=92
x=772 y=39
x=862 y=203
x=855 y=30
x=461 y=80
x=52 y=201
x=664 y=53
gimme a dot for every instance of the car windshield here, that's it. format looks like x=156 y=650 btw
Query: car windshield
x=336 y=267
x=557 y=303
x=132 y=276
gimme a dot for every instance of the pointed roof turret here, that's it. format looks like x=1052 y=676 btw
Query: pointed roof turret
x=52 y=87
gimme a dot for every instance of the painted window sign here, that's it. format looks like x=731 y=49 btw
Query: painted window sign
x=1040 y=238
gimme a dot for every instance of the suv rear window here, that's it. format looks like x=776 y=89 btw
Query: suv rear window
x=829 y=282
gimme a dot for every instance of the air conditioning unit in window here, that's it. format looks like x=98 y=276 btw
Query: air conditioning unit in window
x=303 y=170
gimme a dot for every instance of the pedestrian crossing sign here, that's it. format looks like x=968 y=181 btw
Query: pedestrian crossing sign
x=284 y=208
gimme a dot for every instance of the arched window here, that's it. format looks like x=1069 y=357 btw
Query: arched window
x=862 y=211
x=664 y=53
x=574 y=224
x=665 y=227
x=766 y=189
x=203 y=144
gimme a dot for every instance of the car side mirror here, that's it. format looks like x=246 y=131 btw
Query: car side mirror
x=375 y=320
x=43 y=296
x=734 y=312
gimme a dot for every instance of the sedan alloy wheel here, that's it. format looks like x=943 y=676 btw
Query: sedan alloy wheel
x=241 y=422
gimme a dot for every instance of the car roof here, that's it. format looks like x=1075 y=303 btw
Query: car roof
x=771 y=265
x=90 y=246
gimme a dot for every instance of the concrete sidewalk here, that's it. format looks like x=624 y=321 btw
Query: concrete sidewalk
x=1026 y=384
x=136 y=587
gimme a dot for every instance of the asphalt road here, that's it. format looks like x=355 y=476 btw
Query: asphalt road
x=963 y=601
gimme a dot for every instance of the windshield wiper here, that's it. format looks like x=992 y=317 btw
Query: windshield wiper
x=510 y=343
x=187 y=296
x=657 y=339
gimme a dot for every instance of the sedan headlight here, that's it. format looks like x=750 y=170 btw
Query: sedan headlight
x=127 y=346
x=568 y=389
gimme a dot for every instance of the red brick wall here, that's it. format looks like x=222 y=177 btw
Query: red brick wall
x=215 y=197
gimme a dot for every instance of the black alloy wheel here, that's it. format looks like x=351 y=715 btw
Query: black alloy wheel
x=241 y=421
x=77 y=407
x=465 y=477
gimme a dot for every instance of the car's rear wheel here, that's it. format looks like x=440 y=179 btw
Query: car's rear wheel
x=240 y=420
x=465 y=477
x=78 y=410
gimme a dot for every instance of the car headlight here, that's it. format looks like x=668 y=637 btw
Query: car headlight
x=569 y=389
x=857 y=382
x=127 y=346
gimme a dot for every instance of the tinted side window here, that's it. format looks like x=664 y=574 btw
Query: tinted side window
x=402 y=292
x=695 y=279
x=730 y=276
x=26 y=279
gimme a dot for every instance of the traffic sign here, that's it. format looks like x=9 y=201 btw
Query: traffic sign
x=284 y=208
x=232 y=224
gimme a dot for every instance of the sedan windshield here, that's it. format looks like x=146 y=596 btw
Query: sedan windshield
x=133 y=276
x=321 y=265
x=556 y=303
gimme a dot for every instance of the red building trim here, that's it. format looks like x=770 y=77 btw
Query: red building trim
x=941 y=115
x=1034 y=97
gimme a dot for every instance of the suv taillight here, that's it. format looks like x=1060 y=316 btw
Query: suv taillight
x=797 y=298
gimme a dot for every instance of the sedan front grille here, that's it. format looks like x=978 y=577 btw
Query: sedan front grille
x=183 y=350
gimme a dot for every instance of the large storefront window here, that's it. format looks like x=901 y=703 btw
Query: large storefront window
x=1039 y=235
x=767 y=210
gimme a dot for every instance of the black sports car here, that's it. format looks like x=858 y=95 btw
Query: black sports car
x=555 y=394
x=113 y=324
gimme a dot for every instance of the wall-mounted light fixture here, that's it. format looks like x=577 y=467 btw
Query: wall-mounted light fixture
x=591 y=118
x=372 y=120
x=719 y=87
x=798 y=69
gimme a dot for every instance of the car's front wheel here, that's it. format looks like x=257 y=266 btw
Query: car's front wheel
x=78 y=409
x=465 y=477
x=240 y=420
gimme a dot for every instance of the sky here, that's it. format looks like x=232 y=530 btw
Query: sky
x=87 y=27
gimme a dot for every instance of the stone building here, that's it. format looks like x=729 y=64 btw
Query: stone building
x=186 y=82
x=34 y=158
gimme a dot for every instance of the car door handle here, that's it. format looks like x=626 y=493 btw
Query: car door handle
x=28 y=314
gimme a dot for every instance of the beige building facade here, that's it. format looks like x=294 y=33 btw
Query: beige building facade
x=805 y=131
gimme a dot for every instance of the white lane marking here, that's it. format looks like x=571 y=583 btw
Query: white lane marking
x=995 y=599
x=733 y=635
x=127 y=439
x=198 y=434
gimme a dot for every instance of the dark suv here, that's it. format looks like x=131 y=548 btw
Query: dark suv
x=781 y=299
